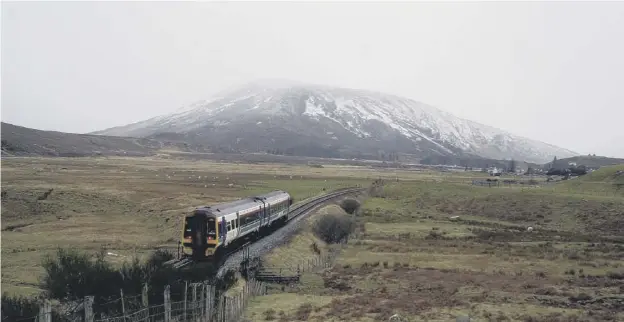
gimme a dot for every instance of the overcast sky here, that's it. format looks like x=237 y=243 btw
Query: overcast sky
x=548 y=71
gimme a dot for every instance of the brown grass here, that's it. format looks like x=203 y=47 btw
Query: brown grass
x=415 y=260
x=128 y=206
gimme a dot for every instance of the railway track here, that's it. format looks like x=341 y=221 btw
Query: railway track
x=265 y=243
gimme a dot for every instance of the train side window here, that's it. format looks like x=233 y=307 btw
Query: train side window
x=229 y=226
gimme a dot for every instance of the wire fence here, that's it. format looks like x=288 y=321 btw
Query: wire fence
x=198 y=304
x=199 y=301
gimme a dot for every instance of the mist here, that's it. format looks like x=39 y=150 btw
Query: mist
x=547 y=71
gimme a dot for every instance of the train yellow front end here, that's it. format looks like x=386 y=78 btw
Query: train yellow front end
x=200 y=235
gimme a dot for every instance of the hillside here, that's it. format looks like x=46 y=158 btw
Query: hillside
x=476 y=162
x=23 y=141
x=313 y=120
x=608 y=181
x=585 y=160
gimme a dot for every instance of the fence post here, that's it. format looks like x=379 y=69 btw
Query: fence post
x=88 y=308
x=209 y=303
x=239 y=313
x=167 y=296
x=45 y=312
x=185 y=297
x=202 y=301
x=123 y=304
x=220 y=309
x=194 y=306
x=223 y=306
x=144 y=298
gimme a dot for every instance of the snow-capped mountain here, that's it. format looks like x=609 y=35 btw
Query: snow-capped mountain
x=318 y=120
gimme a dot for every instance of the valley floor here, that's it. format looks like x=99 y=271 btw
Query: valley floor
x=411 y=256
x=128 y=206
x=417 y=259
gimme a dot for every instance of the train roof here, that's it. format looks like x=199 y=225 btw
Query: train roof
x=238 y=205
x=272 y=194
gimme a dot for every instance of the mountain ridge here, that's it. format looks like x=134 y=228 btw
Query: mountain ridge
x=346 y=121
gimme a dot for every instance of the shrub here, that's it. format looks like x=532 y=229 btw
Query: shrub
x=17 y=307
x=350 y=205
x=303 y=312
x=269 y=315
x=333 y=228
x=315 y=248
x=72 y=276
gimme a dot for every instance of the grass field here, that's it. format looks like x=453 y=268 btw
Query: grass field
x=129 y=206
x=436 y=249
x=414 y=258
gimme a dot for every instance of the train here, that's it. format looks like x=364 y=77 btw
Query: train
x=209 y=231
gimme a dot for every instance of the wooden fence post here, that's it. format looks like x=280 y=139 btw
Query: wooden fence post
x=194 y=306
x=209 y=303
x=123 y=304
x=88 y=309
x=202 y=301
x=144 y=297
x=45 y=312
x=167 y=298
x=185 y=300
x=221 y=309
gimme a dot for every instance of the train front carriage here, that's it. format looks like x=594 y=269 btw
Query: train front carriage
x=200 y=235
x=210 y=230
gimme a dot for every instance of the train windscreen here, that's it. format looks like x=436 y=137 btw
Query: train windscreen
x=187 y=226
x=212 y=231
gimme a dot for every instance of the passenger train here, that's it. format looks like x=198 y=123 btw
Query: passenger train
x=209 y=230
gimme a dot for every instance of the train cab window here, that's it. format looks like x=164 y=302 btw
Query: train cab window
x=229 y=226
x=187 y=226
x=212 y=232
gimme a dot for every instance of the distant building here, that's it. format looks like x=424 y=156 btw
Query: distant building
x=494 y=171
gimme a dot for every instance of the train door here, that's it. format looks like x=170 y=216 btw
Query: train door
x=237 y=224
x=222 y=230
x=198 y=236
x=288 y=204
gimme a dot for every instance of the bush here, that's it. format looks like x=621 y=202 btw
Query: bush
x=269 y=315
x=303 y=312
x=332 y=228
x=72 y=276
x=350 y=205
x=21 y=308
x=17 y=307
